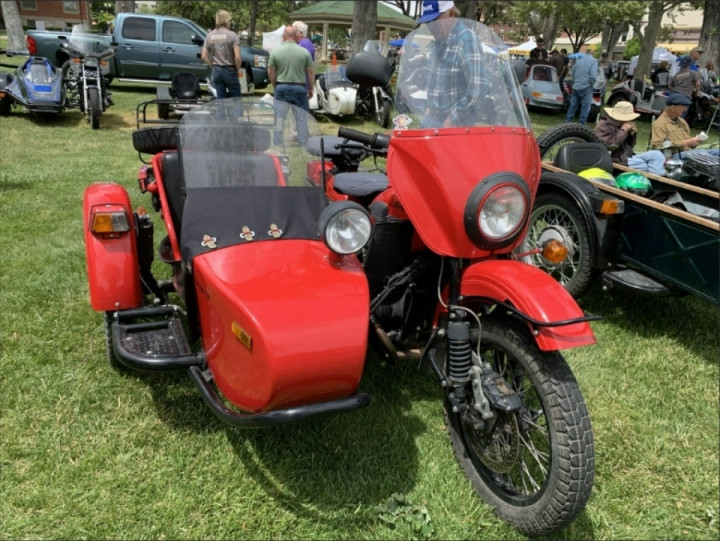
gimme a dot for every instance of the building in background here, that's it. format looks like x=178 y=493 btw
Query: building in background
x=45 y=15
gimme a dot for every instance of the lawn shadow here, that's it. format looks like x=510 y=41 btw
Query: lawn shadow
x=689 y=320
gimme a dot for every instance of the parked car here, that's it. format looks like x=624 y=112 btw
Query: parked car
x=541 y=87
x=151 y=48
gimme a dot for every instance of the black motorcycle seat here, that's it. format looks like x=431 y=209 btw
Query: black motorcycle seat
x=360 y=184
x=577 y=157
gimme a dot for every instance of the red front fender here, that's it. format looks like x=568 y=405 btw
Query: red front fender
x=112 y=261
x=534 y=293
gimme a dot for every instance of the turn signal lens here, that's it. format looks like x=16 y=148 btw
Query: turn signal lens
x=555 y=252
x=109 y=222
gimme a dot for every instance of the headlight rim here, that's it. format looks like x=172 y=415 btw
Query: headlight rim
x=330 y=212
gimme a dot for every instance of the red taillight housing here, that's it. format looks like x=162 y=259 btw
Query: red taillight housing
x=31 y=45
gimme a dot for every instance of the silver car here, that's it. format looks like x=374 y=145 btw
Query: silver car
x=541 y=87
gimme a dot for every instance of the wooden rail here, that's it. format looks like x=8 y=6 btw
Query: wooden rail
x=649 y=203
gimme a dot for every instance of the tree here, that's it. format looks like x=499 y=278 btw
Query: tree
x=364 y=24
x=13 y=25
x=710 y=33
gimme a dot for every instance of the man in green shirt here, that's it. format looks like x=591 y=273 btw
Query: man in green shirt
x=290 y=68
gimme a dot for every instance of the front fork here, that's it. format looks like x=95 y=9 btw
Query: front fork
x=473 y=388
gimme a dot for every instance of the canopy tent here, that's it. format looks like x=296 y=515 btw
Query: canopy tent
x=659 y=54
x=678 y=48
x=272 y=39
x=397 y=42
x=340 y=13
x=523 y=49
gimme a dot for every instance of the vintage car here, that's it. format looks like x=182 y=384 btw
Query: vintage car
x=541 y=87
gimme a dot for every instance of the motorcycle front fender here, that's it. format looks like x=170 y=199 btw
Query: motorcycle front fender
x=112 y=260
x=535 y=294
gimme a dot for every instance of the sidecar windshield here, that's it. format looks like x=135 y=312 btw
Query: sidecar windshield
x=245 y=174
x=335 y=77
x=457 y=72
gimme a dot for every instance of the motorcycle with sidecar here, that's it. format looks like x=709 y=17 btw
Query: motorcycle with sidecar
x=36 y=85
x=277 y=290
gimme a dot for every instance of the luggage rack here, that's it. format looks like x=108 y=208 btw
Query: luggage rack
x=167 y=105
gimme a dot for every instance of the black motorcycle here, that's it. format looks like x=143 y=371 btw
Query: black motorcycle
x=84 y=74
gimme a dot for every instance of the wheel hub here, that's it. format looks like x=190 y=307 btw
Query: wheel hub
x=499 y=449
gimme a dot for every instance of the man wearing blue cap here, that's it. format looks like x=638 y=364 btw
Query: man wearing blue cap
x=671 y=130
x=455 y=84
x=584 y=73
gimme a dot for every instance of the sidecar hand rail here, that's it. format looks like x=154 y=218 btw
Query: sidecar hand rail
x=271 y=418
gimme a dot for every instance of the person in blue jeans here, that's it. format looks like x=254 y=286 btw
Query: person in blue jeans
x=584 y=73
x=221 y=51
x=290 y=70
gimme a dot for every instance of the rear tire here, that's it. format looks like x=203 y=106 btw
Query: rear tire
x=535 y=467
x=94 y=107
x=5 y=106
x=154 y=140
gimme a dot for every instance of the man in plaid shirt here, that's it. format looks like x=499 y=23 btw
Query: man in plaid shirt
x=455 y=84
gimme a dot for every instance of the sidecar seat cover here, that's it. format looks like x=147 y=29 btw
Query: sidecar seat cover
x=215 y=218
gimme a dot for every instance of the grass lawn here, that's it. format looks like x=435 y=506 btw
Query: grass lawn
x=87 y=453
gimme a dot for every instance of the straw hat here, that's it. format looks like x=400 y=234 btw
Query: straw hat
x=623 y=111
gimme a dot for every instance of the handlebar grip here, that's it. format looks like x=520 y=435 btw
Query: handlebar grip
x=377 y=141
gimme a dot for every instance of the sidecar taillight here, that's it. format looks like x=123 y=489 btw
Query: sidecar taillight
x=345 y=227
x=109 y=222
x=497 y=210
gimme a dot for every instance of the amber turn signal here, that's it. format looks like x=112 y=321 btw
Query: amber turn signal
x=109 y=222
x=555 y=251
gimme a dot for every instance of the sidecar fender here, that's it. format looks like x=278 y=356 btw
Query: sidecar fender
x=535 y=294
x=112 y=259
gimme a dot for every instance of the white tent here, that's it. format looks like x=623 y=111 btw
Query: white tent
x=272 y=39
x=659 y=54
x=523 y=49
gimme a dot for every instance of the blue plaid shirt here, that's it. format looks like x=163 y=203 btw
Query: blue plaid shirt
x=456 y=84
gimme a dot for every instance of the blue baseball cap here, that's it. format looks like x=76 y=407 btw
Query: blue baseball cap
x=431 y=10
x=678 y=99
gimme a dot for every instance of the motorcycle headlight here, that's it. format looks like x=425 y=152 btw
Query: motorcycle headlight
x=345 y=227
x=497 y=210
x=91 y=62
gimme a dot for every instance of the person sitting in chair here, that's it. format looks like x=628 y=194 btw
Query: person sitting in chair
x=617 y=131
x=670 y=130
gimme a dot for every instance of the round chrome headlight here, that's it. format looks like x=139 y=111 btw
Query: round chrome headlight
x=345 y=227
x=497 y=210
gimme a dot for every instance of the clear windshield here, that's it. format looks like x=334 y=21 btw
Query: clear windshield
x=335 y=77
x=457 y=73
x=87 y=43
x=244 y=142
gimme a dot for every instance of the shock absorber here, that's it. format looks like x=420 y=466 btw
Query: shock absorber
x=144 y=238
x=459 y=351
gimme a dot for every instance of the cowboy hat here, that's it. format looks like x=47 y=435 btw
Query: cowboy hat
x=623 y=111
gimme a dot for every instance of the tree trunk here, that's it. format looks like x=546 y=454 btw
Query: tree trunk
x=364 y=24
x=611 y=35
x=253 y=20
x=709 y=35
x=124 y=6
x=655 y=14
x=13 y=25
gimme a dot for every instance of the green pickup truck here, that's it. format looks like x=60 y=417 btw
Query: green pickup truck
x=150 y=48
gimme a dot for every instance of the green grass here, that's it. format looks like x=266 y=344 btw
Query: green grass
x=87 y=453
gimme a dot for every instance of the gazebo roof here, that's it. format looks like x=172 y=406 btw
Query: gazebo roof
x=341 y=12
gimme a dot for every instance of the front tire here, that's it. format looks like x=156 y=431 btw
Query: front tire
x=5 y=106
x=94 y=107
x=535 y=467
x=555 y=216
x=382 y=117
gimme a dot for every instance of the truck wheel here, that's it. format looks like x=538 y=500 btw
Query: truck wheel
x=5 y=106
x=94 y=108
x=154 y=140
x=558 y=136
x=555 y=216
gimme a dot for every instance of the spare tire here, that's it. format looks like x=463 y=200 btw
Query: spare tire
x=561 y=135
x=154 y=140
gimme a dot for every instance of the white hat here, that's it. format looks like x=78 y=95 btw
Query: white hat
x=622 y=112
x=431 y=10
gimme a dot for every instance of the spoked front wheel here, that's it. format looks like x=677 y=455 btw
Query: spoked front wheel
x=534 y=465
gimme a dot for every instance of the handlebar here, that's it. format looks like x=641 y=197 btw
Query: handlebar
x=377 y=142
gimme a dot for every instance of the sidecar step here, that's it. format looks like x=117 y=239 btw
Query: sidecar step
x=270 y=418
x=640 y=284
x=156 y=345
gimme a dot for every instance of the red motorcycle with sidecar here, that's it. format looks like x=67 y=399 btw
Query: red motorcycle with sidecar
x=277 y=290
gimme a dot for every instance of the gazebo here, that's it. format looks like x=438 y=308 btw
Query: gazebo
x=340 y=13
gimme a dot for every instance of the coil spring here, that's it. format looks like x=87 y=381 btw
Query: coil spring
x=459 y=352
